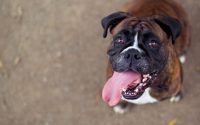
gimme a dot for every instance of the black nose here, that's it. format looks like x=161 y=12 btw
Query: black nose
x=133 y=55
x=137 y=61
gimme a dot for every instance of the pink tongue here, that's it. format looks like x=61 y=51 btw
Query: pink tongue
x=113 y=88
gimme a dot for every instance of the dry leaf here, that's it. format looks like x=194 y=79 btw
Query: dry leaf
x=198 y=69
x=98 y=97
x=17 y=60
x=172 y=122
x=1 y=64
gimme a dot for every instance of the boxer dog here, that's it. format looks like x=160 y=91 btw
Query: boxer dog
x=150 y=39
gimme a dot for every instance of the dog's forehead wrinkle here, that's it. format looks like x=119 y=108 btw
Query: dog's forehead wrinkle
x=135 y=45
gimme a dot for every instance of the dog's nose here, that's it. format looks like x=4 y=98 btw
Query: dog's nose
x=127 y=55
x=133 y=54
x=137 y=56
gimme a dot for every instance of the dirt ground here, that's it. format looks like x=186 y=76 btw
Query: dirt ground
x=52 y=67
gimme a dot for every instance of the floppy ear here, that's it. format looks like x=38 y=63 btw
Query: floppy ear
x=170 y=25
x=112 y=20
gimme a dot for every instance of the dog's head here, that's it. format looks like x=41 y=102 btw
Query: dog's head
x=140 y=45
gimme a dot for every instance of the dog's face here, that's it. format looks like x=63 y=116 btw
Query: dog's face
x=140 y=45
x=137 y=47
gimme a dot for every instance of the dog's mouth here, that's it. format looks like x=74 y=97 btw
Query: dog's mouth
x=130 y=85
x=135 y=90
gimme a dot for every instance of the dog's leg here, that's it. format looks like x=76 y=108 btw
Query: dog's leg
x=176 y=98
x=182 y=58
x=121 y=108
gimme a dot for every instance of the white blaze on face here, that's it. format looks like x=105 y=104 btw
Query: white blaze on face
x=134 y=46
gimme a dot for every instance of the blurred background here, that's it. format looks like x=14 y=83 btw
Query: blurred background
x=52 y=67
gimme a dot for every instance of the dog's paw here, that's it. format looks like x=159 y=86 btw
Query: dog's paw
x=175 y=98
x=120 y=108
x=182 y=59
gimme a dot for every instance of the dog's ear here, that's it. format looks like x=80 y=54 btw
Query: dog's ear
x=112 y=20
x=170 y=25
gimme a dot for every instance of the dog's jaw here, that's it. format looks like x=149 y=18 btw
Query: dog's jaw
x=144 y=99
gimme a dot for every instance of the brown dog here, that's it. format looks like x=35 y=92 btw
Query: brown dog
x=150 y=39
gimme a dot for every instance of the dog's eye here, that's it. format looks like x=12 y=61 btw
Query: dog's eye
x=120 y=40
x=153 y=44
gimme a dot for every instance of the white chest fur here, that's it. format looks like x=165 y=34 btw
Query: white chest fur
x=144 y=99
